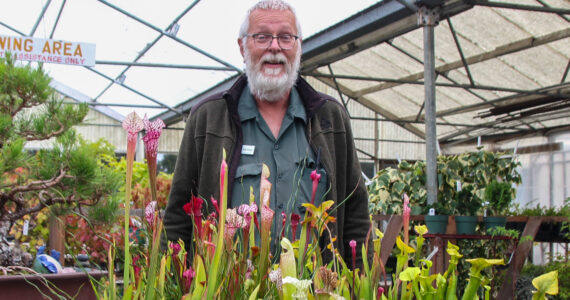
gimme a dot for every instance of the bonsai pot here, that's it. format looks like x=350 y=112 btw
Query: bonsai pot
x=37 y=286
x=436 y=224
x=492 y=222
x=466 y=224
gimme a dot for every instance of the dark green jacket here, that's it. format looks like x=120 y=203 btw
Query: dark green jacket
x=214 y=125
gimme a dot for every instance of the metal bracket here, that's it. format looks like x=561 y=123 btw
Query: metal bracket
x=428 y=16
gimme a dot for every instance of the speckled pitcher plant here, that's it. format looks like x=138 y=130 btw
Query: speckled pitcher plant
x=132 y=124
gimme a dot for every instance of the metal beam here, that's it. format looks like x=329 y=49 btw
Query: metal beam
x=508 y=135
x=338 y=90
x=57 y=19
x=136 y=92
x=565 y=72
x=12 y=28
x=429 y=18
x=164 y=33
x=117 y=104
x=170 y=117
x=546 y=5
x=528 y=119
x=389 y=141
x=371 y=105
x=456 y=40
x=157 y=65
x=404 y=81
x=379 y=23
x=516 y=46
x=148 y=45
x=401 y=121
x=553 y=90
x=39 y=19
x=560 y=11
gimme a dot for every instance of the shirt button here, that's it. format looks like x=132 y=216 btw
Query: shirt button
x=276 y=146
x=280 y=206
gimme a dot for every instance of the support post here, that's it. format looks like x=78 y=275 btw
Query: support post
x=376 y=146
x=429 y=18
x=57 y=236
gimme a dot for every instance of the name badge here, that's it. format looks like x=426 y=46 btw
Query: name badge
x=247 y=149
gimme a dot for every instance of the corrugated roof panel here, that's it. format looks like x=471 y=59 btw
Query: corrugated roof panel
x=397 y=103
x=486 y=28
x=497 y=73
x=541 y=64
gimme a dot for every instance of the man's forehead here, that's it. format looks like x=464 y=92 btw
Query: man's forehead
x=283 y=19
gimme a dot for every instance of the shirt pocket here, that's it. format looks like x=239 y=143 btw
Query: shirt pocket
x=247 y=175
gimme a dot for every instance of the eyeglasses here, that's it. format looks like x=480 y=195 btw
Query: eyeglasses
x=264 y=40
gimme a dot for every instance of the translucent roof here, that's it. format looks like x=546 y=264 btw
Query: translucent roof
x=501 y=66
x=140 y=59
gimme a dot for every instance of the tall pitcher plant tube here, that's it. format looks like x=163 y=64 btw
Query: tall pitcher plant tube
x=132 y=124
x=213 y=276
x=477 y=265
x=266 y=220
x=406 y=214
x=153 y=131
x=306 y=228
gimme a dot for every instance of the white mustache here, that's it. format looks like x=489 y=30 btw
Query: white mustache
x=274 y=58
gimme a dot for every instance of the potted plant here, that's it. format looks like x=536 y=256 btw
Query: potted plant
x=498 y=197
x=465 y=206
x=437 y=216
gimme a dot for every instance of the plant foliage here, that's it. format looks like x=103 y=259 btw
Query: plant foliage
x=473 y=170
x=65 y=175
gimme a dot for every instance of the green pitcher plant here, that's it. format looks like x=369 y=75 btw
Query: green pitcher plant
x=230 y=258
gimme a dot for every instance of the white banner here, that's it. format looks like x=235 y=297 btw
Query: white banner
x=48 y=51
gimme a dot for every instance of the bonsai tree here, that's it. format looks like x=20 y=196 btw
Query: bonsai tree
x=65 y=176
x=499 y=196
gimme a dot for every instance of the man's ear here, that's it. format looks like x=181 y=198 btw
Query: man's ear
x=241 y=45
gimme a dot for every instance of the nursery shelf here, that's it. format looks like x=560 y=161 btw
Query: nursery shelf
x=446 y=236
x=531 y=226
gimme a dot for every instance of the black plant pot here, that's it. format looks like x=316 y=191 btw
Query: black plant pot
x=552 y=232
x=518 y=226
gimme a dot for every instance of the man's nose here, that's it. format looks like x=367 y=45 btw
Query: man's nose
x=274 y=45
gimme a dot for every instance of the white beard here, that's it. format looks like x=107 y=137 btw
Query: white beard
x=270 y=88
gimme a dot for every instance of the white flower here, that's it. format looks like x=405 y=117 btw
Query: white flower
x=301 y=286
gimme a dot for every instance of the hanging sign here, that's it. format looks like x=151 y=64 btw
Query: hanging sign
x=48 y=51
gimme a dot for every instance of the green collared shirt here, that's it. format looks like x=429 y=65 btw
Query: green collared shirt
x=289 y=157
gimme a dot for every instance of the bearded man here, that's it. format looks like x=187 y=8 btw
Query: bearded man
x=272 y=116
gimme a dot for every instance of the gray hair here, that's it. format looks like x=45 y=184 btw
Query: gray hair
x=269 y=5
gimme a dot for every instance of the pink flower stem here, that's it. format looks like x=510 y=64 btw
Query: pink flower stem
x=131 y=145
x=352 y=244
x=151 y=164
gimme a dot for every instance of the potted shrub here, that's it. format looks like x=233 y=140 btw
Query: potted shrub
x=437 y=222
x=465 y=208
x=498 y=197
